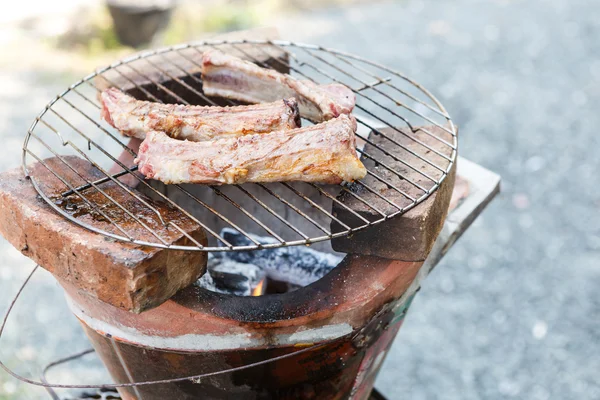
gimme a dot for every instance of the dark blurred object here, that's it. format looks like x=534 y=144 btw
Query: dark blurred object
x=107 y=394
x=137 y=22
x=100 y=394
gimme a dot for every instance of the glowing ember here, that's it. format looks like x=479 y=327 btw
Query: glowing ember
x=259 y=289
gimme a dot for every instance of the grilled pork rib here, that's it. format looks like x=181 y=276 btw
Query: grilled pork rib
x=228 y=76
x=195 y=123
x=320 y=153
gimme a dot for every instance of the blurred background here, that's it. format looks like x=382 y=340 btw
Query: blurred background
x=513 y=311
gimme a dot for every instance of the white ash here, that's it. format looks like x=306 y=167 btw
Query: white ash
x=296 y=265
x=236 y=278
x=206 y=281
x=228 y=276
x=251 y=272
x=238 y=272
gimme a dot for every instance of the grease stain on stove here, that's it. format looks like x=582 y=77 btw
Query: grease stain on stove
x=75 y=207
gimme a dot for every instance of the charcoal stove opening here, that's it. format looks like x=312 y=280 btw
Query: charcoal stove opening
x=262 y=272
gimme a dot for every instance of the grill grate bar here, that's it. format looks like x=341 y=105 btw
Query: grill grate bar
x=218 y=214
x=136 y=219
x=148 y=74
x=193 y=77
x=147 y=93
x=90 y=142
x=324 y=193
x=315 y=205
x=219 y=193
x=373 y=144
x=185 y=85
x=382 y=197
x=246 y=213
x=422 y=158
x=160 y=86
x=321 y=72
x=397 y=102
x=67 y=184
x=223 y=195
x=390 y=186
x=383 y=180
x=131 y=152
x=366 y=111
x=130 y=170
x=394 y=157
x=296 y=209
x=373 y=84
x=386 y=82
x=99 y=181
x=272 y=212
x=378 y=132
x=384 y=165
x=196 y=79
x=187 y=235
x=366 y=203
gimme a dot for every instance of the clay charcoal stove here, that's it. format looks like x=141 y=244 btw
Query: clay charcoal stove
x=280 y=290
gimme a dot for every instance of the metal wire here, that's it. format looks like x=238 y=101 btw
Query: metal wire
x=49 y=387
x=43 y=382
x=402 y=172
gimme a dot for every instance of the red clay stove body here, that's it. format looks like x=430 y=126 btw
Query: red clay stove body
x=356 y=310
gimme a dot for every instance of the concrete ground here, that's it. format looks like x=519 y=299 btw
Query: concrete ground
x=513 y=311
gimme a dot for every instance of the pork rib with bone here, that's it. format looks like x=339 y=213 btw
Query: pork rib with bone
x=231 y=77
x=323 y=153
x=196 y=123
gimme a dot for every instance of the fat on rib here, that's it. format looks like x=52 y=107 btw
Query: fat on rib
x=196 y=123
x=322 y=153
x=231 y=77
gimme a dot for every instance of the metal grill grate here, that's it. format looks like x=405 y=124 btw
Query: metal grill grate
x=289 y=213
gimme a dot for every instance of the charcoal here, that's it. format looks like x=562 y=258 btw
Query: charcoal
x=206 y=281
x=297 y=265
x=227 y=276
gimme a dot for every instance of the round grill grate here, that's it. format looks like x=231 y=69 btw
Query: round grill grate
x=405 y=137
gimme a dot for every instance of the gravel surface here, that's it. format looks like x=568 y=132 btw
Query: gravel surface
x=513 y=310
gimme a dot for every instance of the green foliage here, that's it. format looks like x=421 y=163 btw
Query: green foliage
x=189 y=22
x=92 y=34
x=105 y=40
x=228 y=18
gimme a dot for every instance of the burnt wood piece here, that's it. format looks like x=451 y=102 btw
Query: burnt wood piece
x=163 y=69
x=128 y=276
x=408 y=237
